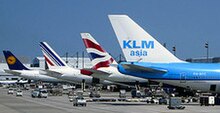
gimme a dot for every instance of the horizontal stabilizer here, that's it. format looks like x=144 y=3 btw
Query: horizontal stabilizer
x=13 y=72
x=122 y=84
x=136 y=68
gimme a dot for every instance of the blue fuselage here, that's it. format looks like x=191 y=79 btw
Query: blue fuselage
x=198 y=76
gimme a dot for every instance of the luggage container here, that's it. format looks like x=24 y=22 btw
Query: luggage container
x=207 y=100
x=175 y=103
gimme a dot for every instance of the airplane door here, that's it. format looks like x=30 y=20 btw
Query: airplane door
x=182 y=77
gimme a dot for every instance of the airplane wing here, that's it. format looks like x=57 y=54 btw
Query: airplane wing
x=103 y=75
x=49 y=72
x=97 y=72
x=122 y=84
x=13 y=72
x=137 y=68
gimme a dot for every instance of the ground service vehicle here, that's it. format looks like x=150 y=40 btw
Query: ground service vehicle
x=43 y=93
x=35 y=93
x=79 y=101
x=10 y=91
x=19 y=93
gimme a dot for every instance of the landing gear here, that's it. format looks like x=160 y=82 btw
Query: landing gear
x=137 y=85
x=83 y=85
x=94 y=92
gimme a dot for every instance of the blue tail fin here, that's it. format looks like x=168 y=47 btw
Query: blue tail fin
x=13 y=62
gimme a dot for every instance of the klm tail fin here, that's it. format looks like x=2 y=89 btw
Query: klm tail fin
x=51 y=57
x=13 y=62
x=137 y=44
x=98 y=56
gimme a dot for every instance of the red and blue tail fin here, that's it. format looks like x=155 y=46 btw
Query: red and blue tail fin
x=13 y=62
x=51 y=57
x=98 y=56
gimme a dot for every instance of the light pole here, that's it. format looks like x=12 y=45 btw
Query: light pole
x=82 y=59
x=77 y=59
x=207 y=51
x=67 y=57
x=174 y=50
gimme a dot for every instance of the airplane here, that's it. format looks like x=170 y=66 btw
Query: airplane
x=17 y=68
x=59 y=69
x=104 y=66
x=147 y=58
x=13 y=81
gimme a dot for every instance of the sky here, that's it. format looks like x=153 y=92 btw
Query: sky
x=185 y=24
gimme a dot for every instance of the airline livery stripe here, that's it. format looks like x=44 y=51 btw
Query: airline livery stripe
x=48 y=61
x=103 y=64
x=49 y=55
x=89 y=37
x=52 y=54
x=94 y=55
x=92 y=50
x=97 y=60
x=51 y=59
x=178 y=79
x=90 y=44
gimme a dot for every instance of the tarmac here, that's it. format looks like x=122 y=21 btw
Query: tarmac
x=61 y=104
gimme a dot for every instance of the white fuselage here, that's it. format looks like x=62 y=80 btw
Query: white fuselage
x=74 y=75
x=36 y=76
x=116 y=76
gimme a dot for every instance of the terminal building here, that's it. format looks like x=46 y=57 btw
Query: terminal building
x=204 y=60
x=79 y=63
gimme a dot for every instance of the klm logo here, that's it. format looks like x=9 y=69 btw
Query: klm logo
x=133 y=44
x=138 y=49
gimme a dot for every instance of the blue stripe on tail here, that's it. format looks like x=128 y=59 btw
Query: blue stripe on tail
x=94 y=56
x=51 y=54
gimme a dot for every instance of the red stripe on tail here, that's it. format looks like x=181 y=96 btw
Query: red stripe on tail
x=47 y=60
x=90 y=44
x=103 y=64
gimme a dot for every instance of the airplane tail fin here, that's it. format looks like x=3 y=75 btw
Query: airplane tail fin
x=98 y=56
x=13 y=62
x=52 y=59
x=137 y=44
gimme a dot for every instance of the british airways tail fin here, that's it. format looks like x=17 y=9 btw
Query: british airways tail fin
x=51 y=57
x=13 y=62
x=98 y=56
x=137 y=44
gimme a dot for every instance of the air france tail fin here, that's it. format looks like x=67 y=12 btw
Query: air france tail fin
x=52 y=59
x=137 y=44
x=98 y=56
x=13 y=62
